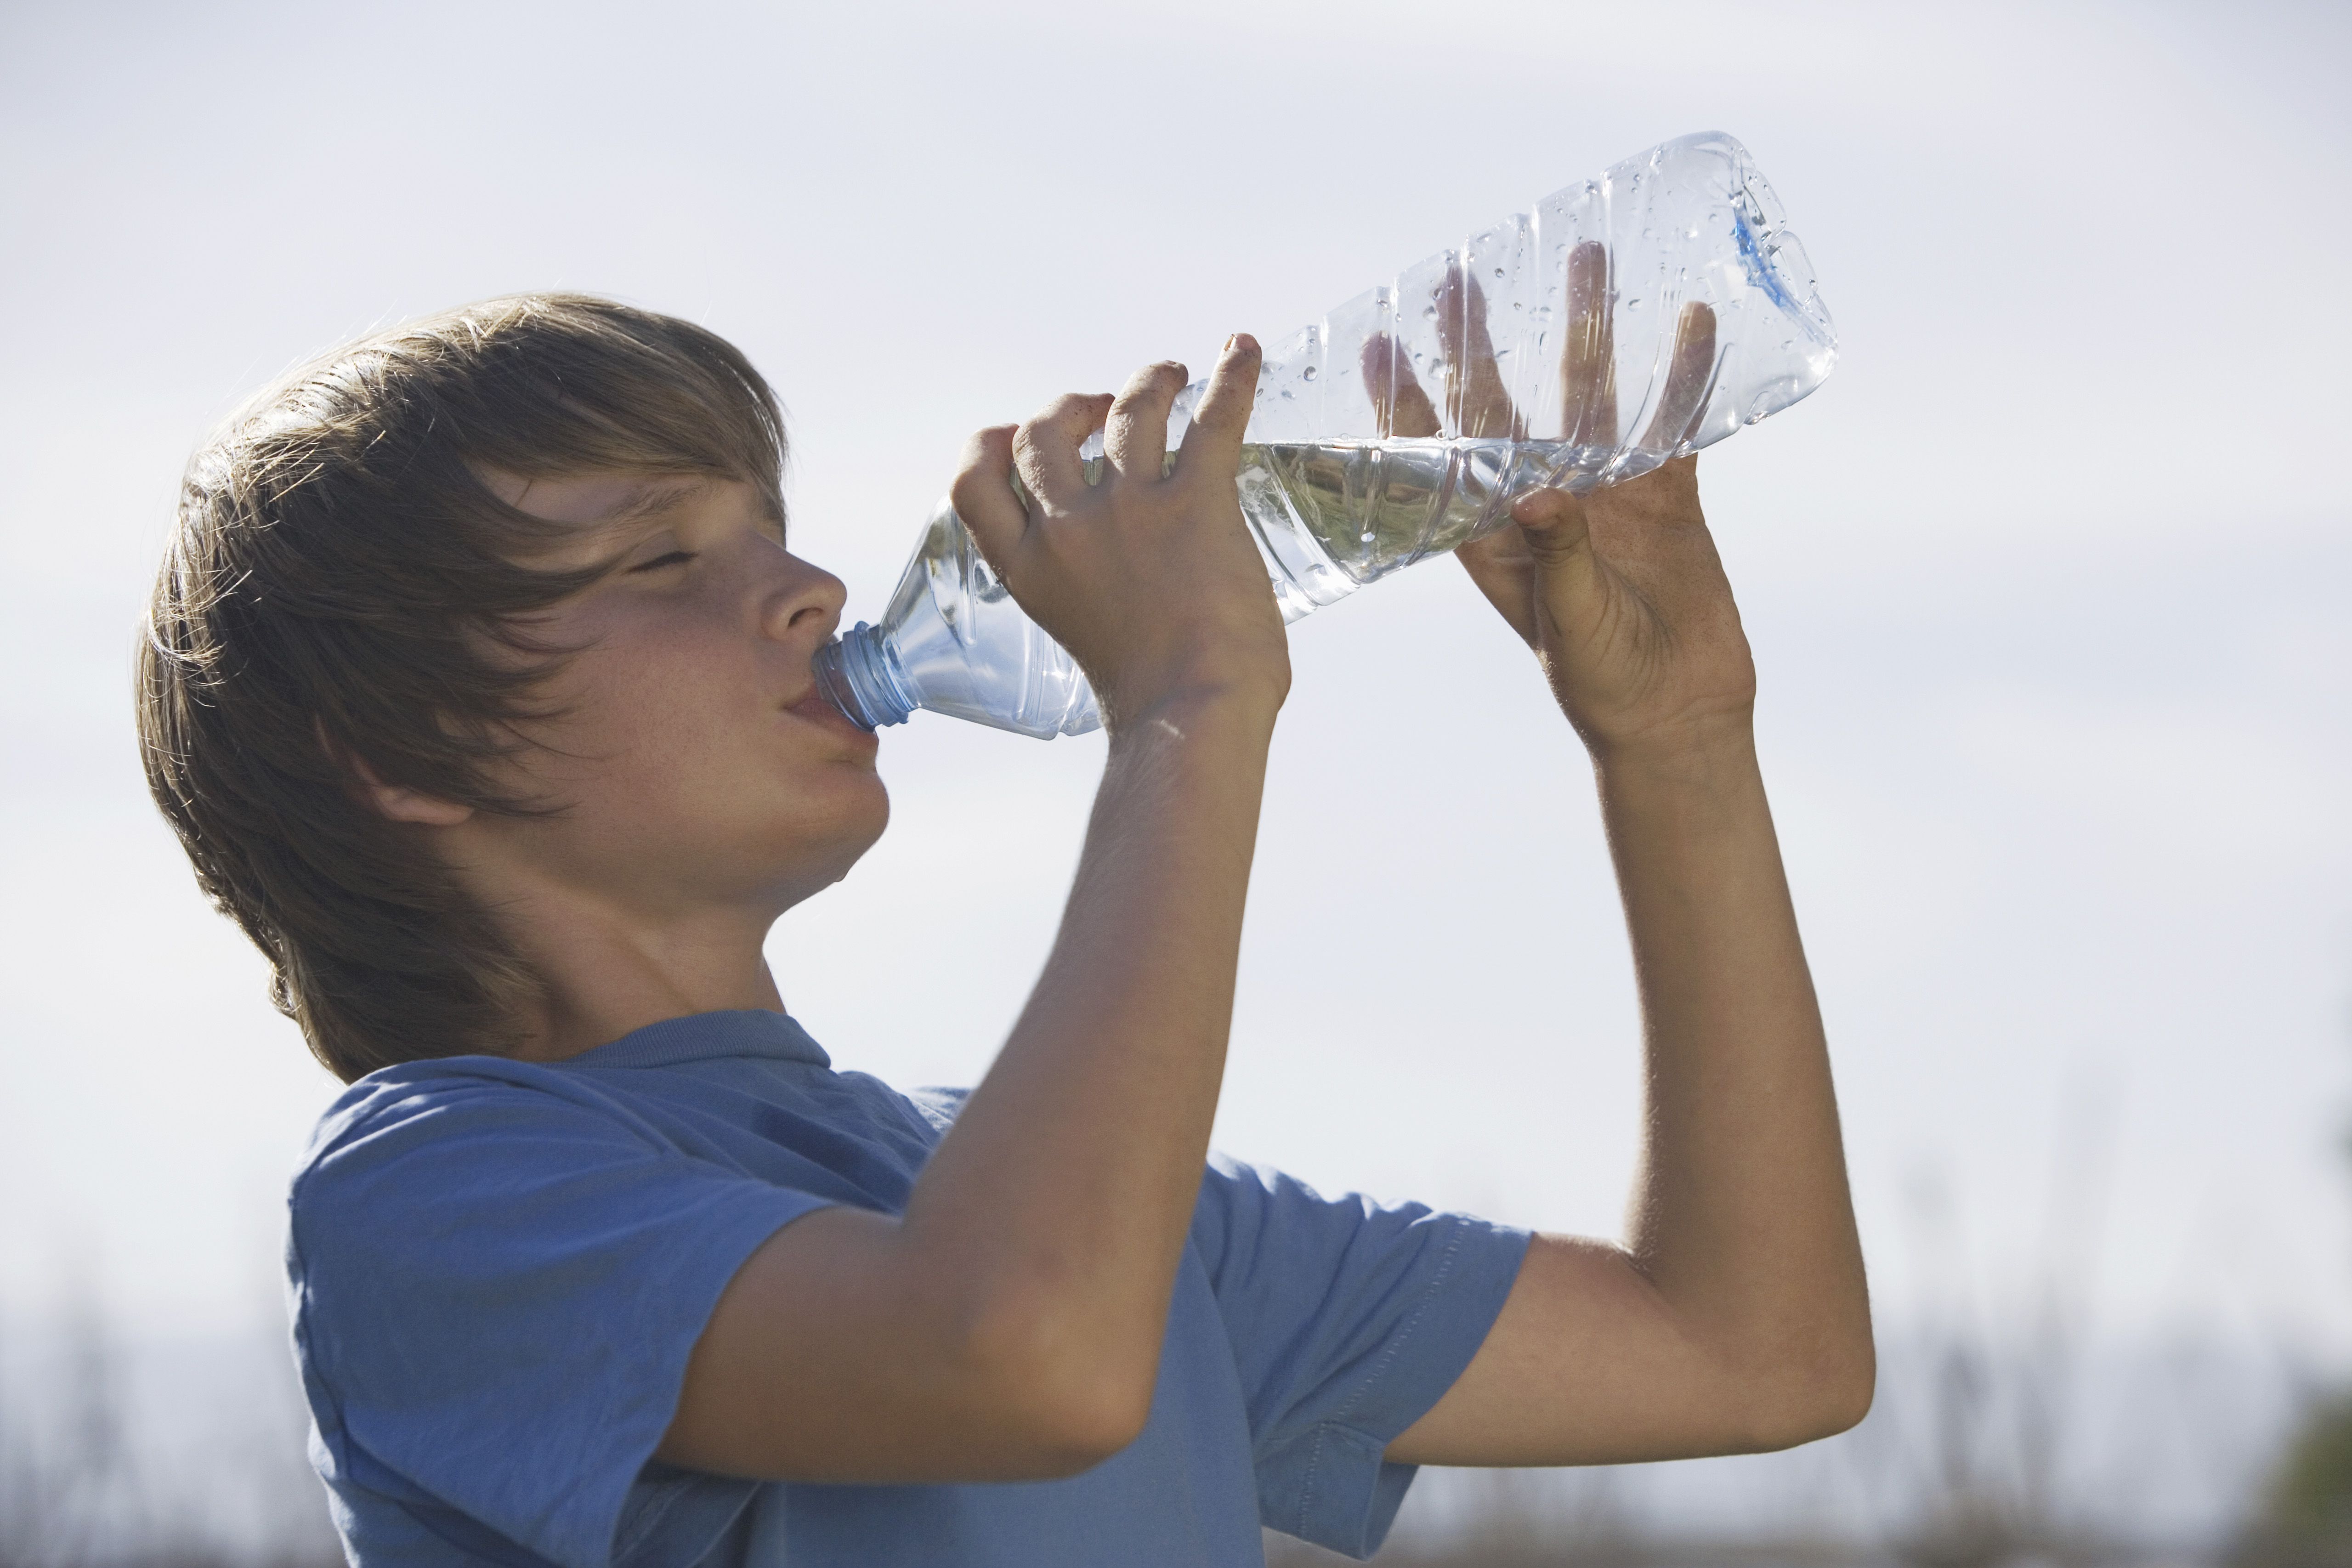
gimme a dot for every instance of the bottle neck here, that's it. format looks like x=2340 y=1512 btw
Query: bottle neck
x=858 y=675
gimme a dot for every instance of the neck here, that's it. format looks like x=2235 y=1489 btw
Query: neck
x=605 y=971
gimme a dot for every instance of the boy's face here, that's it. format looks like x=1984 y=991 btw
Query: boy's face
x=697 y=764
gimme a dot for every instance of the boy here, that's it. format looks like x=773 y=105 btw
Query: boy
x=478 y=686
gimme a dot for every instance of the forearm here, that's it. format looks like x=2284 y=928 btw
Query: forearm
x=1741 y=1217
x=1059 y=1204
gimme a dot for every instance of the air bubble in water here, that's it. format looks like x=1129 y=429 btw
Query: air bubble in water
x=1310 y=373
x=1634 y=303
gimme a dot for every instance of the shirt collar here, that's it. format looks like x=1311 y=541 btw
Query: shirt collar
x=748 y=1031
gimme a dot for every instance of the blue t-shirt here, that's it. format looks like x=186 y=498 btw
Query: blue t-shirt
x=498 y=1270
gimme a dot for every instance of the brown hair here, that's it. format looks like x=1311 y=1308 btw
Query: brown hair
x=344 y=584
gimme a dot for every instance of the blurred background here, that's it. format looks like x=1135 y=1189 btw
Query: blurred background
x=2047 y=588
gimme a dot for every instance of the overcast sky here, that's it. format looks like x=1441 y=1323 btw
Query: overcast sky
x=2047 y=584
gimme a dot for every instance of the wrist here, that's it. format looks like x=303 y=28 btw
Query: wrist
x=1712 y=750
x=1225 y=712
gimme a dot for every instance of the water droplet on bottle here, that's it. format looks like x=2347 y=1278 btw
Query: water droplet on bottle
x=1634 y=303
x=1499 y=272
x=1308 y=374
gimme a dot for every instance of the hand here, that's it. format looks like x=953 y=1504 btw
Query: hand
x=1620 y=591
x=1148 y=578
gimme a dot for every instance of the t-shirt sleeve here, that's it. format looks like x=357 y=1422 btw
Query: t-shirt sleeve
x=1348 y=1320
x=496 y=1287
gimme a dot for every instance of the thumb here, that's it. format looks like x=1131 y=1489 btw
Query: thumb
x=983 y=497
x=1559 y=546
x=1554 y=523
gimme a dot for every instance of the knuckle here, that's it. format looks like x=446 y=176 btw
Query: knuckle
x=1068 y=407
x=1153 y=380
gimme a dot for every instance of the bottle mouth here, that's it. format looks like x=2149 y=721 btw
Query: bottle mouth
x=857 y=674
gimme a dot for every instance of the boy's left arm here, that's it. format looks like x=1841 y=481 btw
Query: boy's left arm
x=1734 y=1316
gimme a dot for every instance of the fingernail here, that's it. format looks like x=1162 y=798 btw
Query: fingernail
x=1231 y=341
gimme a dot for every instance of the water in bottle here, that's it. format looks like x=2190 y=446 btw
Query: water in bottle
x=1640 y=315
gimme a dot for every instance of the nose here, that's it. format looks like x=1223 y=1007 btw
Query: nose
x=805 y=605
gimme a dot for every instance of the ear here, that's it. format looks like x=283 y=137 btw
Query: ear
x=399 y=803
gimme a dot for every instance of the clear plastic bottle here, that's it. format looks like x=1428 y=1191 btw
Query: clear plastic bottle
x=1642 y=313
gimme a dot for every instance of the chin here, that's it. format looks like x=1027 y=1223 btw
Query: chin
x=824 y=857
x=870 y=832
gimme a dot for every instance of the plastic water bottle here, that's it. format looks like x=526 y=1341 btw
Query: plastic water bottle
x=1640 y=315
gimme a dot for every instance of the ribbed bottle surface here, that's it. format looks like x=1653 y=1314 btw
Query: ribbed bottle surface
x=1556 y=348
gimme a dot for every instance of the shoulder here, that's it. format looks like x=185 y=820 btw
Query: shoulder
x=1265 y=1235
x=419 y=1098
x=460 y=1188
x=421 y=1125
x=1245 y=1207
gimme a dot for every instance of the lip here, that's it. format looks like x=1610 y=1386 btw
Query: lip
x=812 y=708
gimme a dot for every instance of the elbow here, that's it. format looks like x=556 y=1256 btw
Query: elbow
x=1805 y=1397
x=1063 y=1395
x=1056 y=1432
x=1825 y=1407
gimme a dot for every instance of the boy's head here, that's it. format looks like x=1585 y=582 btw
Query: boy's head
x=486 y=610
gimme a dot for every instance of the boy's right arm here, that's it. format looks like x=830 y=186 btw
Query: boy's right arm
x=1008 y=1325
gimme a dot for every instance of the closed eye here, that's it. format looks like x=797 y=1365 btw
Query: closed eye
x=674 y=557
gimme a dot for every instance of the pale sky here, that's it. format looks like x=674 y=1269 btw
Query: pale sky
x=2047 y=583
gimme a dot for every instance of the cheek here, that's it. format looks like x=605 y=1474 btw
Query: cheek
x=638 y=714
x=690 y=735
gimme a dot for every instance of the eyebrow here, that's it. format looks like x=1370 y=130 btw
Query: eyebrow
x=652 y=500
x=647 y=502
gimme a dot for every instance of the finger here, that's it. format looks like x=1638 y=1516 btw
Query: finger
x=1689 y=379
x=1475 y=395
x=1045 y=449
x=1135 y=435
x=983 y=496
x=1225 y=411
x=1399 y=405
x=1588 y=359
